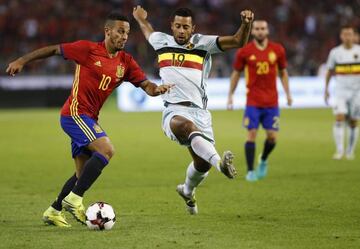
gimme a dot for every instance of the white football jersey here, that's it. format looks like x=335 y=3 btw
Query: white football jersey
x=346 y=65
x=187 y=66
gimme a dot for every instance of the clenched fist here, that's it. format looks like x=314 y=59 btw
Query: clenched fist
x=247 y=16
x=139 y=13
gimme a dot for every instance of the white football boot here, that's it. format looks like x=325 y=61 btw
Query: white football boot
x=190 y=200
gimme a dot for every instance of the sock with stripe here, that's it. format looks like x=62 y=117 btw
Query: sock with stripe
x=204 y=149
x=92 y=169
x=68 y=186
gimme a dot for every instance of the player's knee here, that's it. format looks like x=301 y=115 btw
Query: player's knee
x=340 y=118
x=251 y=136
x=251 y=139
x=271 y=139
x=110 y=151
x=107 y=151
x=188 y=127
x=352 y=123
x=202 y=166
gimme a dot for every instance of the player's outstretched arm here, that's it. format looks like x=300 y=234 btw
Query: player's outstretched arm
x=234 y=79
x=284 y=78
x=154 y=90
x=17 y=65
x=140 y=16
x=241 y=37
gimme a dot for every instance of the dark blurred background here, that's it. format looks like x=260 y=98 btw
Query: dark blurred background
x=307 y=29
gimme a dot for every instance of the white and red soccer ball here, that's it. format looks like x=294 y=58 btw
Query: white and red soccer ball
x=100 y=216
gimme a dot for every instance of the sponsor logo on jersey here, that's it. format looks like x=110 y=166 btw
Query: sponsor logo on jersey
x=98 y=63
x=120 y=70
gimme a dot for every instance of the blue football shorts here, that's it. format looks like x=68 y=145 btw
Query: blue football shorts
x=82 y=130
x=268 y=117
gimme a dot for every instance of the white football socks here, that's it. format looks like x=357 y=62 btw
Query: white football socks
x=206 y=150
x=339 y=134
x=193 y=179
x=352 y=135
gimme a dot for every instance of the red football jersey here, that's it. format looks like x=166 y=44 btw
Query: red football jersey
x=95 y=76
x=261 y=67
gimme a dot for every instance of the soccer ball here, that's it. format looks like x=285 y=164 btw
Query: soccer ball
x=100 y=216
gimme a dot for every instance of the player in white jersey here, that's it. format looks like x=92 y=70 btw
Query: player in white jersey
x=185 y=60
x=344 y=63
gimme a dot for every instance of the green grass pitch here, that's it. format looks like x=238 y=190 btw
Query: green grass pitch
x=307 y=201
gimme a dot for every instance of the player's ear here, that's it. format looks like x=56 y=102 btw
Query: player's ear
x=193 y=29
x=106 y=31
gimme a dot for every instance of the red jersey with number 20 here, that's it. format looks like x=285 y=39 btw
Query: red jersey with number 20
x=261 y=67
x=96 y=76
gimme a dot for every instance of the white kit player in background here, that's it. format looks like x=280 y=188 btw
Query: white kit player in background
x=185 y=60
x=344 y=63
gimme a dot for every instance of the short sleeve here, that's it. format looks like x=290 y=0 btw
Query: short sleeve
x=282 y=62
x=157 y=39
x=77 y=51
x=210 y=43
x=239 y=61
x=134 y=73
x=330 y=64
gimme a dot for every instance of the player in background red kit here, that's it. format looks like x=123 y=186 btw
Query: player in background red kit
x=261 y=60
x=100 y=68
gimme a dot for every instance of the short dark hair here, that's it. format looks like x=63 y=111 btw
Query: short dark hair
x=185 y=12
x=115 y=16
x=347 y=26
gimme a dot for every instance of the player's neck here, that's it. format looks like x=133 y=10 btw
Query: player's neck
x=111 y=51
x=347 y=46
x=262 y=45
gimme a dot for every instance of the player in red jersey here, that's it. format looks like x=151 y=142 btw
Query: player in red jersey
x=100 y=68
x=261 y=60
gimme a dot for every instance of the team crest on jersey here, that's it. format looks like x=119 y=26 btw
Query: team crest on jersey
x=356 y=56
x=246 y=122
x=272 y=57
x=190 y=45
x=252 y=57
x=97 y=128
x=120 y=70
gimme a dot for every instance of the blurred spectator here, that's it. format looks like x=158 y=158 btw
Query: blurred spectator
x=307 y=29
